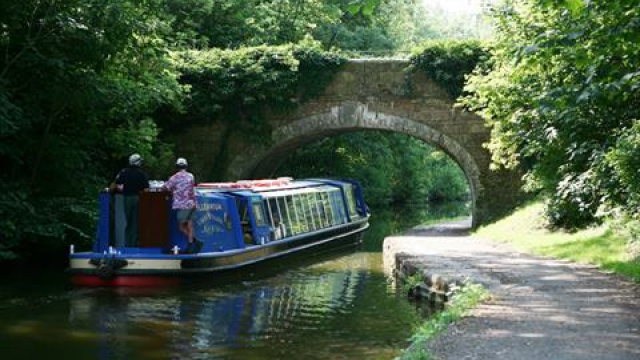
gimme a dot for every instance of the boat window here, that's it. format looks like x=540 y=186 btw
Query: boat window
x=242 y=210
x=258 y=212
x=320 y=209
x=284 y=216
x=300 y=210
x=307 y=218
x=326 y=203
x=269 y=207
x=294 y=215
x=314 y=211
x=338 y=205
x=315 y=216
x=276 y=219
x=272 y=210
x=351 y=200
x=290 y=215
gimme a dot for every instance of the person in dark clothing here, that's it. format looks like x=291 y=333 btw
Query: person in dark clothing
x=130 y=181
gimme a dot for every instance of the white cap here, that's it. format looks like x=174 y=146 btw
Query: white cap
x=135 y=160
x=181 y=162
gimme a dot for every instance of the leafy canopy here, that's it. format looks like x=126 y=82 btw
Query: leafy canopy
x=449 y=62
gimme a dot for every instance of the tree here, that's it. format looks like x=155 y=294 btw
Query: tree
x=392 y=167
x=76 y=78
x=560 y=94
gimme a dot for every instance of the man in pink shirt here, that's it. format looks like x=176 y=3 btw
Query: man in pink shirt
x=182 y=184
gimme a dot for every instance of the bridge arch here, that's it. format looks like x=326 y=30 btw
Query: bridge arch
x=347 y=117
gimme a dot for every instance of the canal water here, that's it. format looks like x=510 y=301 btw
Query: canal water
x=336 y=305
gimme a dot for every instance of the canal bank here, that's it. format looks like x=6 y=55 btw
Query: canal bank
x=540 y=308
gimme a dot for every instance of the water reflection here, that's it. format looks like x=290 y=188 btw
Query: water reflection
x=280 y=317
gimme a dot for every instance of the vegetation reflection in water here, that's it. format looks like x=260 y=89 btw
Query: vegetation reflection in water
x=334 y=306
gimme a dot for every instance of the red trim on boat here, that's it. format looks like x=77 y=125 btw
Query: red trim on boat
x=130 y=280
x=248 y=184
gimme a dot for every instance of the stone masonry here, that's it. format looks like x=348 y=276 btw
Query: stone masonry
x=366 y=95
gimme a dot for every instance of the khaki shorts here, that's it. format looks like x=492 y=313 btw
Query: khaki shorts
x=184 y=214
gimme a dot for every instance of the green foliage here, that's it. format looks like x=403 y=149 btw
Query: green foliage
x=623 y=162
x=222 y=80
x=561 y=91
x=629 y=229
x=412 y=172
x=237 y=88
x=234 y=83
x=367 y=26
x=412 y=282
x=235 y=23
x=364 y=7
x=449 y=62
x=387 y=27
x=78 y=80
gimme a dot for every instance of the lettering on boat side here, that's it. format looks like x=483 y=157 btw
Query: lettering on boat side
x=209 y=223
x=209 y=206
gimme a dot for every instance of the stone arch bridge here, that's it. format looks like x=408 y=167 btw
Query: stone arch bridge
x=364 y=95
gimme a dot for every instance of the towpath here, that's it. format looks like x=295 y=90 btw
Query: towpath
x=541 y=308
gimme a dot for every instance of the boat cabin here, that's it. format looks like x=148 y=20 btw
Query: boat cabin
x=237 y=215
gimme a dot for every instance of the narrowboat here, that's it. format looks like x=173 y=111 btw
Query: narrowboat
x=236 y=223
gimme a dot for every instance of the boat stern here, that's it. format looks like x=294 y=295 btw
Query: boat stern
x=93 y=269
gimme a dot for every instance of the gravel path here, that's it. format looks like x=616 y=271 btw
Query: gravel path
x=541 y=308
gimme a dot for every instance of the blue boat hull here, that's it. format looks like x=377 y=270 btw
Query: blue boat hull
x=144 y=269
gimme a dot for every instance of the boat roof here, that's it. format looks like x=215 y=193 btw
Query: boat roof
x=267 y=188
x=288 y=192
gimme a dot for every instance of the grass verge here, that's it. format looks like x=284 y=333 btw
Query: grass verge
x=459 y=305
x=598 y=245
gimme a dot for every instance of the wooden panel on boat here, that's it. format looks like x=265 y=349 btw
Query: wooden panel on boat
x=155 y=208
